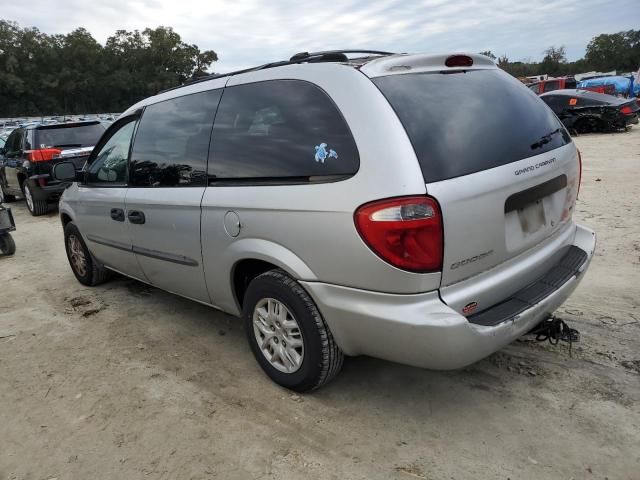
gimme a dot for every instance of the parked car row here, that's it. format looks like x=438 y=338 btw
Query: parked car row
x=29 y=152
x=340 y=205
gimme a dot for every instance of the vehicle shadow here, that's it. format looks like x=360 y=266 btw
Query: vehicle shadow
x=202 y=345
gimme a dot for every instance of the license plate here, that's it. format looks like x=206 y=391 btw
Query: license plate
x=532 y=217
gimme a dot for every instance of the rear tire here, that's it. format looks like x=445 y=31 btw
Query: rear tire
x=7 y=245
x=84 y=267
x=35 y=207
x=312 y=357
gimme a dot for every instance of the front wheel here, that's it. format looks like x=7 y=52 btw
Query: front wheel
x=287 y=334
x=85 y=268
x=7 y=245
x=36 y=207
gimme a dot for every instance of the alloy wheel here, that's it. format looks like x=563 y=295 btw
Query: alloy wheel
x=278 y=335
x=76 y=255
x=28 y=197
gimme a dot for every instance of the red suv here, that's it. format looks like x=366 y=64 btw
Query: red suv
x=544 y=86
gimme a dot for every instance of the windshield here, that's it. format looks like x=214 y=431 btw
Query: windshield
x=69 y=136
x=461 y=123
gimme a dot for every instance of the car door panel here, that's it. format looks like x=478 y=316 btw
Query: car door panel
x=107 y=239
x=167 y=182
x=167 y=244
x=101 y=209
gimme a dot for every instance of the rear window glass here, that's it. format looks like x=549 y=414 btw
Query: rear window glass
x=280 y=129
x=463 y=123
x=550 y=86
x=64 y=136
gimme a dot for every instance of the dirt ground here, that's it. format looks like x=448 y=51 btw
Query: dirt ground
x=124 y=381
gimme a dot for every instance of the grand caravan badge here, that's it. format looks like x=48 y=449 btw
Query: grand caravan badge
x=467 y=261
x=531 y=168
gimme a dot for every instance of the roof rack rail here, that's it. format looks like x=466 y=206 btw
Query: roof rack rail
x=301 y=57
x=332 y=55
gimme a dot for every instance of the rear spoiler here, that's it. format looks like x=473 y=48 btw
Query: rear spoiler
x=67 y=125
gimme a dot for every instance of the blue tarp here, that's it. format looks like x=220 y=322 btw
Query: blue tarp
x=621 y=84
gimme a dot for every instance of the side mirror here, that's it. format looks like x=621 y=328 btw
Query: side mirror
x=64 y=172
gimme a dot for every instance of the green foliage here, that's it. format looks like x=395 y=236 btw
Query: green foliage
x=554 y=61
x=44 y=74
x=488 y=53
x=616 y=51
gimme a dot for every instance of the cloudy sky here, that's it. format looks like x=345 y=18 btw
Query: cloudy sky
x=249 y=32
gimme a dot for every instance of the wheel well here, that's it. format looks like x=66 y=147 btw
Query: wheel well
x=244 y=272
x=21 y=179
x=65 y=219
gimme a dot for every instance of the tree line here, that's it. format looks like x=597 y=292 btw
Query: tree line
x=43 y=74
x=606 y=52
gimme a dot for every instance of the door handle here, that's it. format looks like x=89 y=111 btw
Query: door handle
x=117 y=214
x=136 y=216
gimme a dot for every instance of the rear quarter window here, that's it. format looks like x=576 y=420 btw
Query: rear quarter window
x=463 y=123
x=280 y=129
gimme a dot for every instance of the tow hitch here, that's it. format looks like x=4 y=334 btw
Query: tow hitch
x=554 y=330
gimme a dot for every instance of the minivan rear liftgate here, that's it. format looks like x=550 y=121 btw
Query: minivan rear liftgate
x=504 y=171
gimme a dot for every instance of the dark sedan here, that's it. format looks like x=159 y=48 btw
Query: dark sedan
x=582 y=111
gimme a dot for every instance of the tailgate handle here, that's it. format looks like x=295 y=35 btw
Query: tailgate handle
x=533 y=194
x=117 y=214
x=136 y=216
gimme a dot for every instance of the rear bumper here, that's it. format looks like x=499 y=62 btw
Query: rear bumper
x=421 y=330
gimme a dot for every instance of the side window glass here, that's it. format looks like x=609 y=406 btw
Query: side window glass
x=28 y=140
x=280 y=129
x=13 y=142
x=535 y=88
x=172 y=142
x=550 y=86
x=21 y=140
x=110 y=164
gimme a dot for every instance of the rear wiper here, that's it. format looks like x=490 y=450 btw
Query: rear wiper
x=68 y=145
x=544 y=139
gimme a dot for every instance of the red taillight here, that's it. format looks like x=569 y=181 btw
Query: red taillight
x=626 y=110
x=579 y=171
x=42 y=155
x=459 y=61
x=406 y=232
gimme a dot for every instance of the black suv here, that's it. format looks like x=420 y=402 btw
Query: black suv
x=29 y=153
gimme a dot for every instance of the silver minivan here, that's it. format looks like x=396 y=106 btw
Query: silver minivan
x=414 y=208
